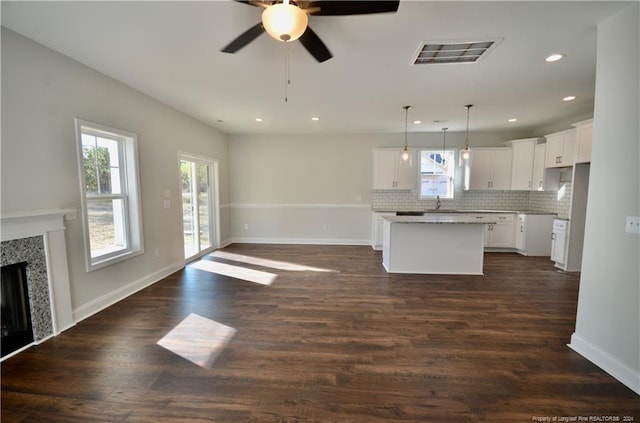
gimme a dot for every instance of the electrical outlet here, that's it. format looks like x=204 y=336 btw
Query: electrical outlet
x=246 y=226
x=325 y=226
x=157 y=252
x=633 y=225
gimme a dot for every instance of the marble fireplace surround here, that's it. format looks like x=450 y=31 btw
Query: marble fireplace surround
x=39 y=239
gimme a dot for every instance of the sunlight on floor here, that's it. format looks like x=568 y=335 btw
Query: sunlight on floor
x=281 y=265
x=264 y=278
x=198 y=339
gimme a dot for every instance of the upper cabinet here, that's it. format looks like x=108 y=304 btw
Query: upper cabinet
x=584 y=136
x=559 y=148
x=544 y=179
x=522 y=163
x=390 y=172
x=490 y=169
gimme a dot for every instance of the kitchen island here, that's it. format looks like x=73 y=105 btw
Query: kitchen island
x=433 y=244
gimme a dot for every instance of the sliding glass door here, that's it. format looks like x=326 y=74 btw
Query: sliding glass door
x=197 y=180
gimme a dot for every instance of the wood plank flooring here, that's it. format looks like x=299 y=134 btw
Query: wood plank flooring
x=348 y=344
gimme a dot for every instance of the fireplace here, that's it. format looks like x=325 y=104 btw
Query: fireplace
x=16 y=329
x=34 y=259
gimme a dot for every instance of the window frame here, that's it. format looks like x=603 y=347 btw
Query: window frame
x=130 y=195
x=450 y=152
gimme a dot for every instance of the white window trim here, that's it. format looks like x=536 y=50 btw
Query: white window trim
x=133 y=220
x=435 y=150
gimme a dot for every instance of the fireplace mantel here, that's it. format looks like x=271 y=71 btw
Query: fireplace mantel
x=18 y=225
x=50 y=225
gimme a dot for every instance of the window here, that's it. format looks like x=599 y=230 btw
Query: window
x=437 y=170
x=108 y=164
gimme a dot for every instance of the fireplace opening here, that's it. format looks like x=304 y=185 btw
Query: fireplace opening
x=15 y=326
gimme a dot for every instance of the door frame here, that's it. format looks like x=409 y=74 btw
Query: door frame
x=214 y=206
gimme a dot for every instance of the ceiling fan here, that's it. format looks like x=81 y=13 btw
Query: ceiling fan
x=286 y=20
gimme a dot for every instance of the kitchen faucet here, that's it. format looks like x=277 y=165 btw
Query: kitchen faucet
x=438 y=203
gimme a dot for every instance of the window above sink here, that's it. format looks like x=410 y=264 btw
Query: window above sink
x=437 y=172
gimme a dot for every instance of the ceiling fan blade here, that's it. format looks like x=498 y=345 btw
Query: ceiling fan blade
x=244 y=38
x=362 y=7
x=315 y=46
x=256 y=3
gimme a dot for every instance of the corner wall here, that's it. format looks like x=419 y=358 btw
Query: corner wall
x=42 y=92
x=608 y=318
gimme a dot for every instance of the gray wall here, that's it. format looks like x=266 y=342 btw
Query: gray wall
x=316 y=188
x=608 y=319
x=42 y=93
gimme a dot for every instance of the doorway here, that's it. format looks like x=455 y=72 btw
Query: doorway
x=199 y=196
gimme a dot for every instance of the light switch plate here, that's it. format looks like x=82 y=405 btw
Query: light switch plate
x=633 y=225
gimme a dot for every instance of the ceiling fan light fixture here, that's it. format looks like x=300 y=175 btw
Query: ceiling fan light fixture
x=284 y=21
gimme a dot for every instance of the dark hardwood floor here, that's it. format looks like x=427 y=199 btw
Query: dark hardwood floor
x=351 y=345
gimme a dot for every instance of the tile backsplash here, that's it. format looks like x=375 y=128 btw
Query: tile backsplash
x=552 y=202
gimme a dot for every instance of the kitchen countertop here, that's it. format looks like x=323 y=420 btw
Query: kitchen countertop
x=449 y=211
x=436 y=220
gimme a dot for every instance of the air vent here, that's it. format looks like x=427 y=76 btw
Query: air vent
x=433 y=53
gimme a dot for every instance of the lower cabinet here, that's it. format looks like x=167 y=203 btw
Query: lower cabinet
x=376 y=229
x=559 y=242
x=527 y=234
x=500 y=234
x=533 y=232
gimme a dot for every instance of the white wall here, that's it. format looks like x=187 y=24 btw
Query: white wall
x=42 y=93
x=608 y=318
x=316 y=188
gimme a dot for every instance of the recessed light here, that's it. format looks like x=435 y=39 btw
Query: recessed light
x=417 y=122
x=315 y=119
x=513 y=120
x=569 y=98
x=259 y=120
x=554 y=57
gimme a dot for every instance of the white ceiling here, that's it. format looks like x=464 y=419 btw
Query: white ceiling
x=170 y=51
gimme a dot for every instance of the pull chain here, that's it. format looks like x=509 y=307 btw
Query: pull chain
x=287 y=80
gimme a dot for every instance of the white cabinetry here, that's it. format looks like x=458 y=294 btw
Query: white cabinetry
x=544 y=179
x=377 y=225
x=499 y=234
x=490 y=169
x=560 y=148
x=390 y=172
x=523 y=153
x=559 y=242
x=584 y=137
x=532 y=234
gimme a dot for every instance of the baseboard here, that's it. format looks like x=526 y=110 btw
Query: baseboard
x=99 y=304
x=306 y=241
x=226 y=243
x=614 y=367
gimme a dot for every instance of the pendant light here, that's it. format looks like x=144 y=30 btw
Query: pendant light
x=465 y=155
x=405 y=151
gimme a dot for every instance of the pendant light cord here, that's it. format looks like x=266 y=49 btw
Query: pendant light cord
x=466 y=143
x=406 y=123
x=444 y=143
